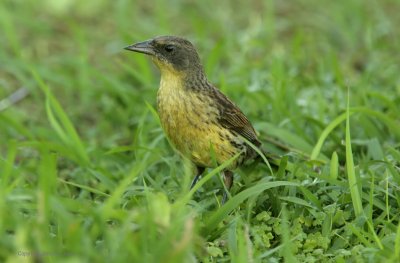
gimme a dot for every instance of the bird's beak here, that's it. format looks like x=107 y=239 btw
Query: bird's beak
x=142 y=47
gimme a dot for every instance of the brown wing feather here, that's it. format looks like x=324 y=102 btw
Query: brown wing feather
x=232 y=118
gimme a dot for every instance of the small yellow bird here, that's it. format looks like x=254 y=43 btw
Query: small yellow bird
x=196 y=116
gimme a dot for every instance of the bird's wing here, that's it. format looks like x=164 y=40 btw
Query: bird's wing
x=232 y=118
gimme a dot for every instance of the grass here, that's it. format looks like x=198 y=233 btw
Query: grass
x=87 y=175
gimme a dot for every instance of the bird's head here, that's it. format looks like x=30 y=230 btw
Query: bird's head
x=170 y=54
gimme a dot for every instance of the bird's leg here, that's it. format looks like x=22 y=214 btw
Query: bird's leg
x=200 y=171
x=228 y=181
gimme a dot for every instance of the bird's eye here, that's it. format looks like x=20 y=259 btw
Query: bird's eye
x=169 y=48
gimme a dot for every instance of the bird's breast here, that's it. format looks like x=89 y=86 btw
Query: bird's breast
x=189 y=119
x=184 y=115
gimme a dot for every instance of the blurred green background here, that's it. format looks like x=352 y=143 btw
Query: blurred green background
x=87 y=174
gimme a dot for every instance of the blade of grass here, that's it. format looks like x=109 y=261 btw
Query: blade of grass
x=63 y=126
x=317 y=148
x=87 y=188
x=397 y=242
x=377 y=240
x=334 y=166
x=387 y=195
x=237 y=242
x=296 y=200
x=371 y=195
x=353 y=184
x=287 y=244
x=307 y=193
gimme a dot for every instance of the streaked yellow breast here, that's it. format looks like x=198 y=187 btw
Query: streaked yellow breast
x=190 y=122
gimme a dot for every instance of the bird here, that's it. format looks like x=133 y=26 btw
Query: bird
x=202 y=123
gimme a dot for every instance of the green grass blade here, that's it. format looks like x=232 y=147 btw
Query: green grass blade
x=296 y=200
x=287 y=244
x=353 y=184
x=84 y=187
x=322 y=138
x=376 y=238
x=310 y=196
x=334 y=166
x=63 y=126
x=397 y=242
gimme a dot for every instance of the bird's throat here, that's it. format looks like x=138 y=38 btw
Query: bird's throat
x=171 y=80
